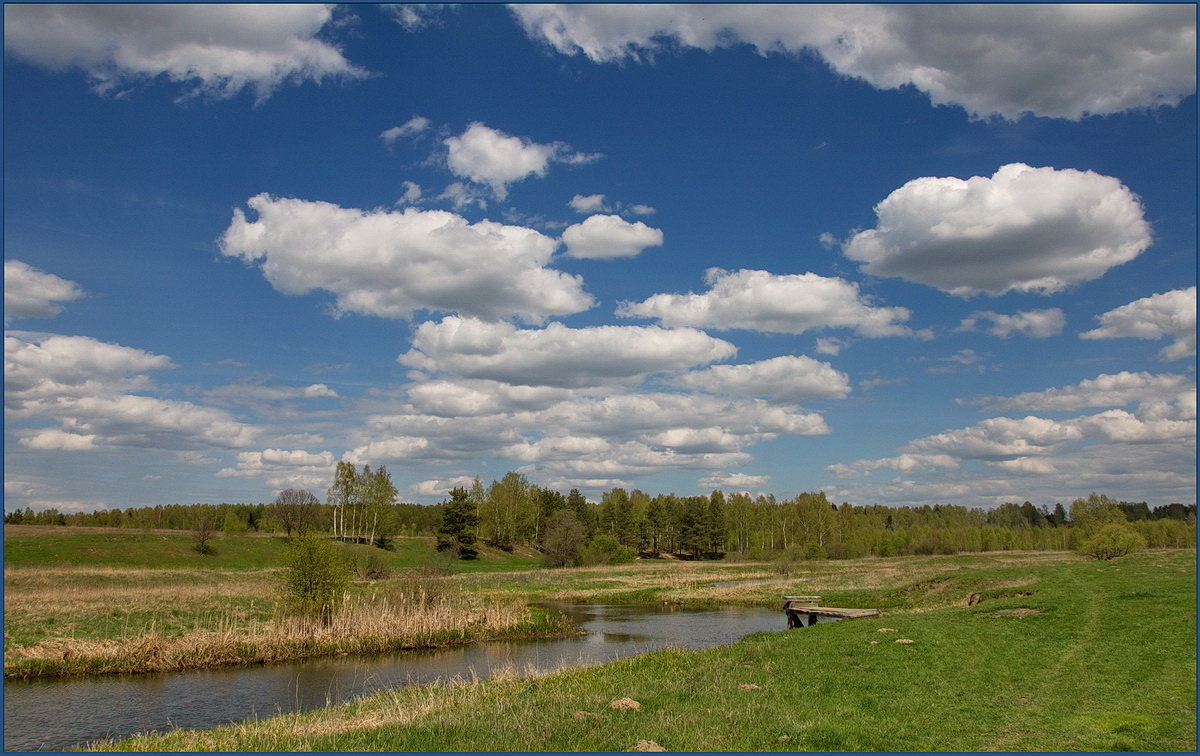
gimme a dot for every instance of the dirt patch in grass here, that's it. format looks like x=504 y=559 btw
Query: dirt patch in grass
x=1018 y=612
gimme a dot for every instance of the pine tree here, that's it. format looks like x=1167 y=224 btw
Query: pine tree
x=714 y=523
x=579 y=505
x=460 y=517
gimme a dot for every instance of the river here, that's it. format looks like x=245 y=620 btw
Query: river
x=64 y=713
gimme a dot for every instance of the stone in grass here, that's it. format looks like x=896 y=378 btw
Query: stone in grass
x=647 y=745
x=886 y=630
x=625 y=704
x=904 y=640
x=750 y=686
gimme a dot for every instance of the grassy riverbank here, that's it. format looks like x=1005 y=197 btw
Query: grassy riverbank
x=91 y=601
x=1060 y=654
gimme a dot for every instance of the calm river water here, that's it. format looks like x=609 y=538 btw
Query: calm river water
x=59 y=714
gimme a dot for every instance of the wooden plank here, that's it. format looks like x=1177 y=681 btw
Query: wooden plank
x=802 y=599
x=831 y=611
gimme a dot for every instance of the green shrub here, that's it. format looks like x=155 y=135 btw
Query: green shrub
x=814 y=551
x=315 y=577
x=604 y=549
x=372 y=565
x=1112 y=540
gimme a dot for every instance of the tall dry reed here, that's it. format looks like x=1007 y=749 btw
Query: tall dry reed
x=404 y=618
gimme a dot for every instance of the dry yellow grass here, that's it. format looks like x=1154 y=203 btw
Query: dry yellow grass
x=362 y=625
x=95 y=621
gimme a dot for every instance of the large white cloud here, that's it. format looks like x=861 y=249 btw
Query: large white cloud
x=1171 y=313
x=1081 y=450
x=575 y=440
x=1023 y=229
x=557 y=355
x=1057 y=60
x=217 y=49
x=141 y=422
x=440 y=487
x=392 y=264
x=473 y=398
x=756 y=300
x=80 y=384
x=41 y=367
x=491 y=157
x=1105 y=390
x=786 y=379
x=1035 y=324
x=999 y=438
x=281 y=468
x=605 y=237
x=31 y=293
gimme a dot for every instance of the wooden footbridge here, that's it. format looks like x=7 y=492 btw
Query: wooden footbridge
x=802 y=608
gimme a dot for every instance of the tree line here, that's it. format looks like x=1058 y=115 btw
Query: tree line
x=362 y=506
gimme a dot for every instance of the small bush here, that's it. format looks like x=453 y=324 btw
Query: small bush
x=844 y=551
x=814 y=551
x=315 y=577
x=437 y=563
x=604 y=549
x=1112 y=540
x=372 y=565
x=933 y=545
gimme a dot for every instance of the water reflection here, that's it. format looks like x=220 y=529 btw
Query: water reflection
x=69 y=713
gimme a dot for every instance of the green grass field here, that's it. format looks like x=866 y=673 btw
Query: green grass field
x=1061 y=654
x=37 y=546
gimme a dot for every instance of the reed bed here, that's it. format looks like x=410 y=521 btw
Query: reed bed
x=403 y=618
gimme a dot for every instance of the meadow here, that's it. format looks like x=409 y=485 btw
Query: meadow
x=983 y=651
x=1026 y=651
x=97 y=600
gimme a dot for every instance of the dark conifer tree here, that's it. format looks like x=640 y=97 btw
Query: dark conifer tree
x=459 y=520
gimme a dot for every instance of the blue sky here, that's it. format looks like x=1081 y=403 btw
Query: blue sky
x=902 y=254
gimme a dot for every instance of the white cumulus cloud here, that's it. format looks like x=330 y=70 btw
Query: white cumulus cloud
x=392 y=263
x=47 y=367
x=438 y=487
x=756 y=300
x=280 y=468
x=1171 y=313
x=1022 y=229
x=1105 y=390
x=411 y=127
x=561 y=435
x=217 y=49
x=591 y=203
x=31 y=293
x=80 y=384
x=905 y=463
x=1056 y=60
x=1034 y=324
x=735 y=481
x=606 y=237
x=557 y=355
x=491 y=157
x=782 y=379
